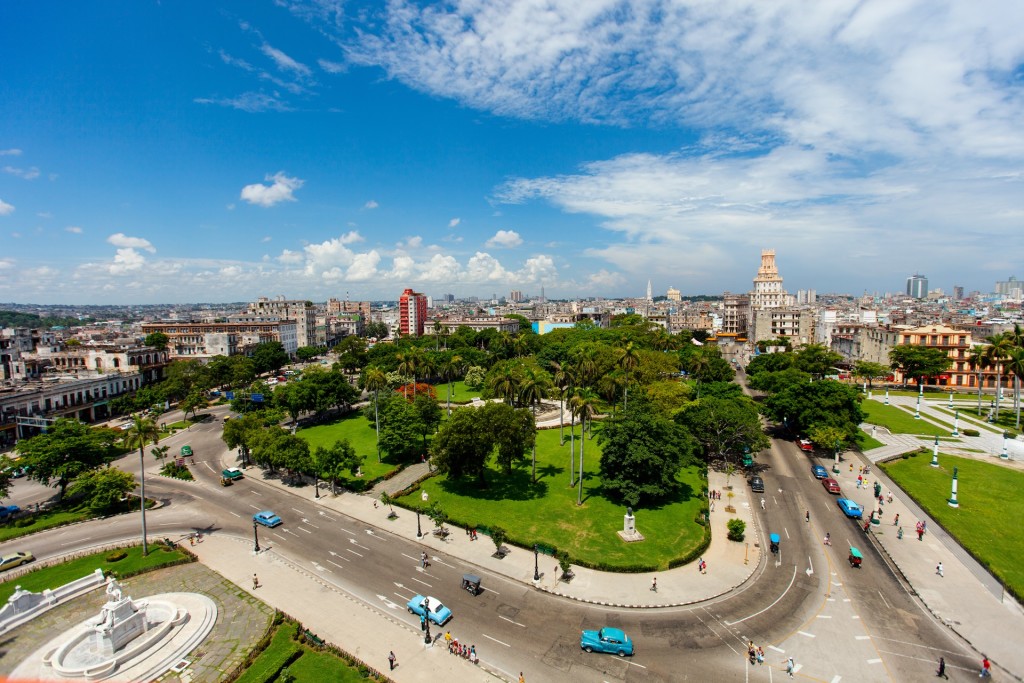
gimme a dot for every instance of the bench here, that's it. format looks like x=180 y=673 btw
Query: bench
x=313 y=638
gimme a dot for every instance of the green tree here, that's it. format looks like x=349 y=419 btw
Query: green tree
x=158 y=340
x=67 y=449
x=870 y=371
x=374 y=380
x=7 y=467
x=770 y=362
x=774 y=382
x=583 y=404
x=269 y=356
x=450 y=367
x=142 y=431
x=828 y=437
x=918 y=362
x=182 y=377
x=737 y=528
x=104 y=488
x=512 y=431
x=824 y=403
x=475 y=377
x=724 y=427
x=977 y=361
x=399 y=428
x=428 y=415
x=194 y=402
x=643 y=451
x=817 y=360
x=308 y=353
x=331 y=462
x=996 y=354
x=241 y=432
x=627 y=358
x=461 y=448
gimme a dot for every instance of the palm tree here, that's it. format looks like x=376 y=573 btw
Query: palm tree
x=520 y=347
x=977 y=361
x=505 y=384
x=583 y=404
x=1015 y=365
x=609 y=388
x=699 y=363
x=376 y=379
x=532 y=390
x=627 y=358
x=408 y=364
x=562 y=380
x=450 y=367
x=143 y=430
x=437 y=334
x=996 y=353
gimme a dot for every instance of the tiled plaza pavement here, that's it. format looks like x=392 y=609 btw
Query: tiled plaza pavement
x=241 y=621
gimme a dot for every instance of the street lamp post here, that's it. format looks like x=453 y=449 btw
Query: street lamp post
x=887 y=396
x=316 y=486
x=536 y=566
x=835 y=465
x=427 y=640
x=419 y=531
x=935 y=454
x=1004 y=455
x=956 y=422
x=917 y=411
x=952 y=498
x=950 y=398
x=256 y=536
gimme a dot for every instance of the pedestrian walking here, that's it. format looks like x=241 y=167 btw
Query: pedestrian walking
x=938 y=569
x=790 y=667
x=255 y=582
x=760 y=655
x=888 y=497
x=896 y=520
x=807 y=515
x=448 y=640
x=986 y=668
x=654 y=584
x=521 y=679
x=762 y=503
x=899 y=533
x=392 y=660
x=941 y=671
x=191 y=539
x=828 y=538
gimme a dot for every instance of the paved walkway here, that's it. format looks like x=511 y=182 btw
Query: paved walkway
x=967 y=598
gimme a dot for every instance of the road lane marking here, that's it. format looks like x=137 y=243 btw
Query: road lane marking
x=887 y=605
x=836 y=679
x=751 y=616
x=324 y=514
x=254 y=507
x=168 y=524
x=354 y=542
x=824 y=616
x=874 y=661
x=450 y=566
x=635 y=664
x=280 y=536
x=306 y=530
x=863 y=637
x=511 y=622
x=336 y=564
x=347 y=531
x=805 y=633
x=411 y=557
x=855 y=616
x=495 y=640
x=236 y=514
x=301 y=512
x=353 y=552
x=255 y=492
x=76 y=541
x=787 y=532
x=306 y=521
x=777 y=649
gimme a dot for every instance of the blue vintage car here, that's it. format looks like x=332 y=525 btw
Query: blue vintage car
x=610 y=640
x=266 y=518
x=431 y=606
x=849 y=508
x=819 y=472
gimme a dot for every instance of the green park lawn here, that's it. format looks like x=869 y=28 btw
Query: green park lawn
x=546 y=512
x=898 y=421
x=47 y=519
x=58 y=575
x=460 y=393
x=868 y=442
x=991 y=501
x=360 y=433
x=310 y=666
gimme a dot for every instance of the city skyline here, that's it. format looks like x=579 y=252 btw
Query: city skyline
x=176 y=153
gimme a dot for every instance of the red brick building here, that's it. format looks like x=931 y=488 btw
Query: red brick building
x=412 y=313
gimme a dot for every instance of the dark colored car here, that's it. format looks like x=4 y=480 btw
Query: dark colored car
x=756 y=484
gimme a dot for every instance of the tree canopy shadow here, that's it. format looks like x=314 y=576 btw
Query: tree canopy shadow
x=499 y=486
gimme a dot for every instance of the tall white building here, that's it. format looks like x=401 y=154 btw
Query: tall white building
x=302 y=312
x=768 y=291
x=917 y=286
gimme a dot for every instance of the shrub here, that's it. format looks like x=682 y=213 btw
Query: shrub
x=737 y=528
x=498 y=536
x=970 y=432
x=117 y=556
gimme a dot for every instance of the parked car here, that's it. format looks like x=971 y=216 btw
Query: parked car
x=849 y=508
x=266 y=518
x=431 y=607
x=756 y=484
x=831 y=485
x=8 y=511
x=186 y=451
x=232 y=473
x=805 y=445
x=12 y=560
x=819 y=472
x=609 y=640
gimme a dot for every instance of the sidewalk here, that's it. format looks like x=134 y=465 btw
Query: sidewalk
x=300 y=594
x=966 y=597
x=729 y=564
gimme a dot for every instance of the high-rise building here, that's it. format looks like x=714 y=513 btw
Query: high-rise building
x=650 y=293
x=768 y=291
x=515 y=296
x=1011 y=288
x=673 y=294
x=917 y=286
x=958 y=293
x=301 y=311
x=412 y=313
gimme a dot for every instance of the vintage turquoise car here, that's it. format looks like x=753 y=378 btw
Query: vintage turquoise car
x=608 y=640
x=849 y=508
x=430 y=607
x=266 y=518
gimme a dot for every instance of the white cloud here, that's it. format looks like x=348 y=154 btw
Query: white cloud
x=283 y=61
x=332 y=67
x=291 y=257
x=482 y=267
x=119 y=239
x=10 y=152
x=44 y=214
x=26 y=173
x=266 y=238
x=5 y=208
x=230 y=207
x=126 y=261
x=280 y=190
x=505 y=238
x=249 y=102
x=6 y=263
x=371 y=204
x=604 y=280
x=454 y=222
x=73 y=229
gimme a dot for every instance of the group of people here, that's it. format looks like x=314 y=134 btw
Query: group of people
x=755 y=654
x=714 y=495
x=702 y=566
x=921 y=528
x=471 y=532
x=461 y=650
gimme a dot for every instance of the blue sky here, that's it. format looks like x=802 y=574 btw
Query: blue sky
x=216 y=151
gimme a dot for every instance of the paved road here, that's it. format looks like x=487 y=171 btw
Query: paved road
x=836 y=621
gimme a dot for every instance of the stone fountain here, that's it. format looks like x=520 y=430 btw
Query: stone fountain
x=132 y=639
